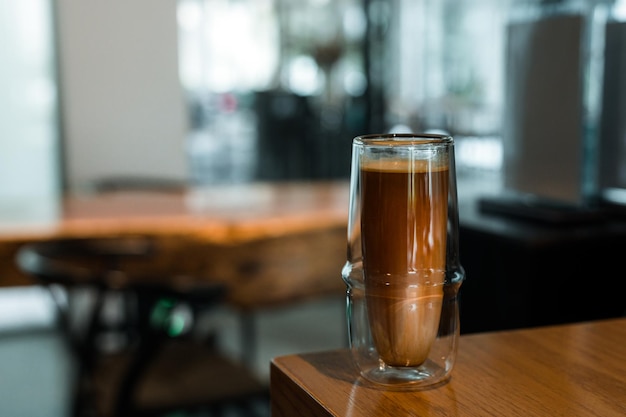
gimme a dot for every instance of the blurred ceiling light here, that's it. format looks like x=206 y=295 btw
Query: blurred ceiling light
x=619 y=10
x=227 y=45
x=355 y=83
x=189 y=14
x=303 y=76
x=354 y=23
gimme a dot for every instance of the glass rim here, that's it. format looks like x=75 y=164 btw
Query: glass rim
x=407 y=139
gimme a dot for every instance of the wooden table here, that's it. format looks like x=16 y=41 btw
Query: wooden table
x=218 y=214
x=270 y=242
x=567 y=370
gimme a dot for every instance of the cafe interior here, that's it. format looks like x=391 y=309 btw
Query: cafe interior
x=174 y=184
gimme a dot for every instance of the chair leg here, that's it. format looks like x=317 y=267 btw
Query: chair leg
x=146 y=352
x=85 y=350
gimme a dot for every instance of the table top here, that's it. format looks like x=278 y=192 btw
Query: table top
x=219 y=214
x=569 y=370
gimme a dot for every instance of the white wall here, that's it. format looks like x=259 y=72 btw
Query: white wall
x=122 y=103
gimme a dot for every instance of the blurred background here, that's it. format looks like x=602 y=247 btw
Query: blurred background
x=224 y=91
x=219 y=92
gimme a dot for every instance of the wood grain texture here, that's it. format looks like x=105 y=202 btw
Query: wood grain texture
x=568 y=370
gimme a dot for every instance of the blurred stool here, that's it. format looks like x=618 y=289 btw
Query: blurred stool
x=159 y=367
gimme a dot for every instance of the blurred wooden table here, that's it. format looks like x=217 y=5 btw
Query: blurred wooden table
x=271 y=242
x=567 y=370
x=219 y=214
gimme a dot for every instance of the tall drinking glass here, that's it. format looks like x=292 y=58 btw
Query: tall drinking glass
x=403 y=272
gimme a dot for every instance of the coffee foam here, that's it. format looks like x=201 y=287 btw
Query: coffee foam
x=404 y=165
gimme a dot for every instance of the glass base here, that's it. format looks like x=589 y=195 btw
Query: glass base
x=409 y=378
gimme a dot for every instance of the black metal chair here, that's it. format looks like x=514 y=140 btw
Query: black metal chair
x=161 y=367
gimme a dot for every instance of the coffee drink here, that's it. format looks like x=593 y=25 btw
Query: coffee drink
x=404 y=207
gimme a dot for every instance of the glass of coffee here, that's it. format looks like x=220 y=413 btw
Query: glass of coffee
x=403 y=272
